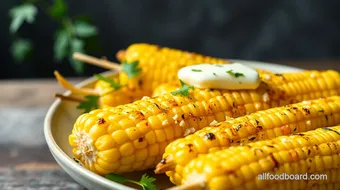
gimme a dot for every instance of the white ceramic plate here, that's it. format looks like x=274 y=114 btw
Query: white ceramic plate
x=59 y=122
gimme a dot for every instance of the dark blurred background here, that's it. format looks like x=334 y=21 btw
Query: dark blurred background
x=265 y=30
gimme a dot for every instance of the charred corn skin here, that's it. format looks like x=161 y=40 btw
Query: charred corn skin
x=133 y=137
x=160 y=64
x=260 y=125
x=238 y=167
x=117 y=97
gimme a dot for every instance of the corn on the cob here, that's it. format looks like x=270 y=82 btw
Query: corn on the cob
x=133 y=137
x=160 y=64
x=165 y=88
x=240 y=167
x=260 y=125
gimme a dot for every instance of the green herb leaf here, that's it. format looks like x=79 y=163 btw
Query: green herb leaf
x=77 y=46
x=230 y=72
x=148 y=182
x=239 y=75
x=84 y=29
x=214 y=74
x=131 y=69
x=112 y=83
x=20 y=49
x=89 y=104
x=58 y=9
x=20 y=14
x=196 y=70
x=61 y=45
x=321 y=111
x=117 y=178
x=184 y=90
x=236 y=75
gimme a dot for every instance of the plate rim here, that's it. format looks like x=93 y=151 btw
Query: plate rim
x=59 y=154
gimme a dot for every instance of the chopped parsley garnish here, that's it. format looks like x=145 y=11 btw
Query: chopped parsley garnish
x=214 y=74
x=239 y=75
x=112 y=83
x=321 y=111
x=146 y=182
x=196 y=70
x=236 y=75
x=131 y=69
x=90 y=103
x=184 y=90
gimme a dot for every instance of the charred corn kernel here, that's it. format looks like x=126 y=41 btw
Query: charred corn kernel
x=250 y=128
x=153 y=117
x=241 y=167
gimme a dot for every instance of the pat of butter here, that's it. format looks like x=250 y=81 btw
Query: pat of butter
x=233 y=76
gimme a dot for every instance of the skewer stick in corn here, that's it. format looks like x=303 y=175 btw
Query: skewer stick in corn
x=69 y=98
x=64 y=83
x=104 y=63
x=133 y=137
x=260 y=125
x=240 y=167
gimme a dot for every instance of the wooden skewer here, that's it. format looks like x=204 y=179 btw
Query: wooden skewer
x=104 y=63
x=64 y=83
x=165 y=165
x=190 y=186
x=69 y=98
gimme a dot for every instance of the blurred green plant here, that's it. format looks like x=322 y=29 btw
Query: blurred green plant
x=69 y=38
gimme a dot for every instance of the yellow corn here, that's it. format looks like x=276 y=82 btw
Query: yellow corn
x=260 y=125
x=240 y=167
x=165 y=88
x=159 y=64
x=133 y=137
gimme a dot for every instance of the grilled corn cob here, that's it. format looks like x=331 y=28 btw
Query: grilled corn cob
x=159 y=64
x=133 y=137
x=240 y=167
x=260 y=125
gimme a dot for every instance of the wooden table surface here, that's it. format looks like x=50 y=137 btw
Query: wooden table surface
x=25 y=161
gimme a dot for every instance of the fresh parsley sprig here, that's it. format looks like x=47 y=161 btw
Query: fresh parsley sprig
x=131 y=69
x=74 y=34
x=146 y=182
x=184 y=90
x=90 y=103
x=113 y=84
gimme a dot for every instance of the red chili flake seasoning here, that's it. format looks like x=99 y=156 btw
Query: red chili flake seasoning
x=101 y=121
x=210 y=136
